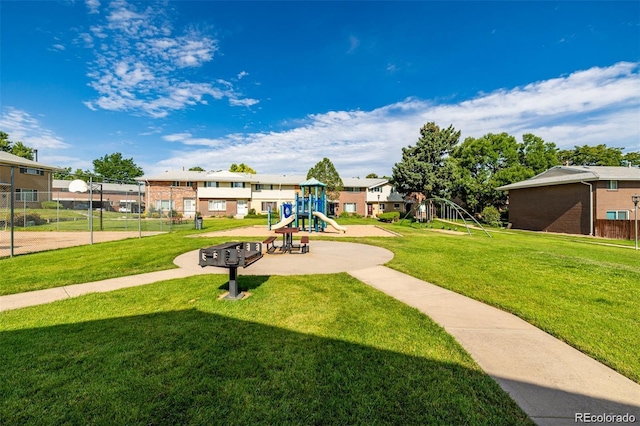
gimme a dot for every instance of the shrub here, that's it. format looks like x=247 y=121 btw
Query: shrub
x=29 y=219
x=51 y=205
x=491 y=216
x=389 y=217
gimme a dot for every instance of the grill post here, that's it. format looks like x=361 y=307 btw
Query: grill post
x=233 y=285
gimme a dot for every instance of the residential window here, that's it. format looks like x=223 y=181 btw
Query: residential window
x=269 y=204
x=190 y=184
x=376 y=189
x=217 y=205
x=396 y=206
x=612 y=185
x=212 y=184
x=165 y=205
x=349 y=207
x=26 y=195
x=617 y=215
x=258 y=187
x=237 y=184
x=31 y=171
x=351 y=189
x=382 y=207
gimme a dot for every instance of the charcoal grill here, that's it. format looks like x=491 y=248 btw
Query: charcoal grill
x=232 y=256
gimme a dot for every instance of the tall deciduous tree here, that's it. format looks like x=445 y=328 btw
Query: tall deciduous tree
x=536 y=154
x=241 y=168
x=483 y=164
x=424 y=167
x=325 y=172
x=15 y=148
x=114 y=167
x=585 y=155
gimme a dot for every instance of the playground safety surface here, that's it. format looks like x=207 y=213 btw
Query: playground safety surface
x=262 y=231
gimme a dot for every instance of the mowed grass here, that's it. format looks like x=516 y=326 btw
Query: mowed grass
x=586 y=294
x=576 y=289
x=89 y=263
x=322 y=349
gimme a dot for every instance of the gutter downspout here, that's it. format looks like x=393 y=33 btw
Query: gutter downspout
x=590 y=207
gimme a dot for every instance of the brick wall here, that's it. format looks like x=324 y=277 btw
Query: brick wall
x=359 y=198
x=558 y=208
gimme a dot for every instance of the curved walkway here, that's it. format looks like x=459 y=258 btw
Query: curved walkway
x=552 y=382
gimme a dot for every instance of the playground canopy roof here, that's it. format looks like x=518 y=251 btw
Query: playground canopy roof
x=312 y=182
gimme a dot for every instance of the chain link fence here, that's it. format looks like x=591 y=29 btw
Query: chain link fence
x=33 y=220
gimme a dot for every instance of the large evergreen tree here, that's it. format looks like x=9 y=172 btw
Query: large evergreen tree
x=424 y=167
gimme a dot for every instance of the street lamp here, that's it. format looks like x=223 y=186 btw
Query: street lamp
x=378 y=205
x=636 y=199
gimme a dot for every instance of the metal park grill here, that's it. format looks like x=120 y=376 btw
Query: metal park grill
x=231 y=255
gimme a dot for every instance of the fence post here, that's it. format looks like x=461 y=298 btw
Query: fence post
x=12 y=208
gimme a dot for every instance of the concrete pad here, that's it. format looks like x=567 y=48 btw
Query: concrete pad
x=263 y=231
x=324 y=257
x=550 y=380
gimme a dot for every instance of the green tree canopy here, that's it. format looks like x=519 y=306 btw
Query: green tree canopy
x=114 y=167
x=325 y=172
x=585 y=155
x=372 y=176
x=536 y=154
x=196 y=169
x=424 y=167
x=241 y=168
x=15 y=148
x=632 y=158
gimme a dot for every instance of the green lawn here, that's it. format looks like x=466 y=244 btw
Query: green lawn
x=583 y=293
x=575 y=288
x=296 y=352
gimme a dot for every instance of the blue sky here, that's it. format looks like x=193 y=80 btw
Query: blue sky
x=280 y=85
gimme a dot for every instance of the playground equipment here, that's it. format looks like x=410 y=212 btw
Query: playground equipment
x=427 y=210
x=308 y=211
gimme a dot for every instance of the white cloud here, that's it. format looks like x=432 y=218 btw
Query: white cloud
x=58 y=47
x=93 y=6
x=242 y=74
x=139 y=64
x=599 y=105
x=21 y=126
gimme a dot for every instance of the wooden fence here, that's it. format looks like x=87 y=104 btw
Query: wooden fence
x=616 y=229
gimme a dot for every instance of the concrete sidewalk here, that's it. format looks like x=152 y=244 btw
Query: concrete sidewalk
x=551 y=381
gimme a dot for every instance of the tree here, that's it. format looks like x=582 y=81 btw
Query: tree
x=493 y=160
x=114 y=167
x=536 y=154
x=372 y=176
x=424 y=167
x=632 y=158
x=15 y=148
x=5 y=143
x=196 y=169
x=241 y=168
x=599 y=155
x=325 y=172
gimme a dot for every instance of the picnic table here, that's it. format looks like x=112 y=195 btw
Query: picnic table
x=287 y=238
